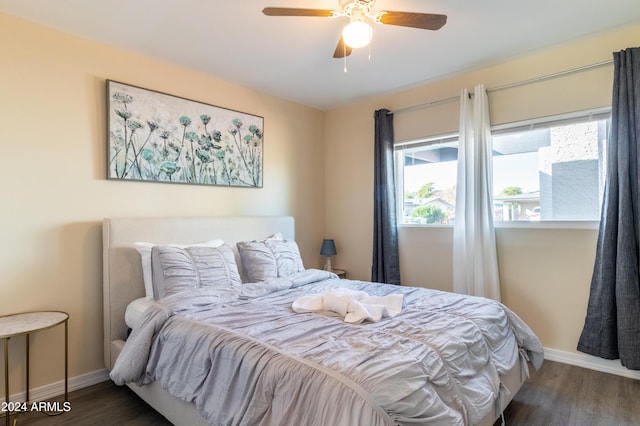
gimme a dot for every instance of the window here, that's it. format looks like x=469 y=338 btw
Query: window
x=545 y=170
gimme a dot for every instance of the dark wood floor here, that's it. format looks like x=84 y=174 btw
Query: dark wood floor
x=104 y=404
x=557 y=394
x=565 y=395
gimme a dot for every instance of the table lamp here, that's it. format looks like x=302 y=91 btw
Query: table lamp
x=328 y=249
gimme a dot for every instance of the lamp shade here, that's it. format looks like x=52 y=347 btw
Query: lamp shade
x=328 y=248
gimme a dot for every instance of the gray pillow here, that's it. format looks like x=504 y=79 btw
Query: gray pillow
x=177 y=269
x=262 y=260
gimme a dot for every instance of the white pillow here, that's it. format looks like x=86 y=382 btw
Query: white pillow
x=145 y=256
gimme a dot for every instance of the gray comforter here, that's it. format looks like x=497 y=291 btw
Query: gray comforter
x=244 y=357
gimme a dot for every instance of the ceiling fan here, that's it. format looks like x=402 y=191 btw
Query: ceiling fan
x=358 y=32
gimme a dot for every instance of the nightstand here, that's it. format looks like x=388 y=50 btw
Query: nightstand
x=341 y=273
x=24 y=324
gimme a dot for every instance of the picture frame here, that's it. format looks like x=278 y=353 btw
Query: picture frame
x=157 y=137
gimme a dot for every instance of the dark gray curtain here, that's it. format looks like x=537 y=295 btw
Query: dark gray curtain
x=612 y=324
x=386 y=262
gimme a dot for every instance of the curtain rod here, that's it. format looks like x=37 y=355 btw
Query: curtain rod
x=506 y=86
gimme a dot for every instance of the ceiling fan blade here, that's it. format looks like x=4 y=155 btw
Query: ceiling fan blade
x=425 y=21
x=342 y=49
x=290 y=11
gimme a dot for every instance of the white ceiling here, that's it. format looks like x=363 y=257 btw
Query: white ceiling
x=291 y=57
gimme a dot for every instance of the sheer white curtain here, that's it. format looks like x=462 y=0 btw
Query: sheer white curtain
x=475 y=261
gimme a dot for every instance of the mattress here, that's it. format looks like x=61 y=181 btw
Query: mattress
x=135 y=311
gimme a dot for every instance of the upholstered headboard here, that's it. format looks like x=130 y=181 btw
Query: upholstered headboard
x=122 y=270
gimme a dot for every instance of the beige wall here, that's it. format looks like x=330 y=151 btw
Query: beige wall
x=54 y=191
x=545 y=273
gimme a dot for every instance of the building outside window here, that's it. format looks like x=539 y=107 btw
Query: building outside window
x=550 y=169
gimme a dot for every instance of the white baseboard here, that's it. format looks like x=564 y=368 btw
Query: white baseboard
x=590 y=362
x=51 y=390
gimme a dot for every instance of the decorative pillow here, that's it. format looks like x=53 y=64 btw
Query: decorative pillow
x=145 y=255
x=269 y=258
x=178 y=269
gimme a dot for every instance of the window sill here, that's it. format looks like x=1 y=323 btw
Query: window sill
x=552 y=224
x=545 y=224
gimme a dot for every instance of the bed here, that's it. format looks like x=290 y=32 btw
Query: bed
x=264 y=353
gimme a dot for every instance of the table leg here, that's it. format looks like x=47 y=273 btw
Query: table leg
x=6 y=380
x=27 y=368
x=66 y=360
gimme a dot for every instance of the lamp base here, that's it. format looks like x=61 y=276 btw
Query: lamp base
x=327 y=264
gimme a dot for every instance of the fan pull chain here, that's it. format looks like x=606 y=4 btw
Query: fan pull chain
x=344 y=49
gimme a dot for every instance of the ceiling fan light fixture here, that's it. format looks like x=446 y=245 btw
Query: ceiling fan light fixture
x=357 y=34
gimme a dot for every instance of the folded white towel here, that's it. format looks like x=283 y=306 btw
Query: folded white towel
x=355 y=306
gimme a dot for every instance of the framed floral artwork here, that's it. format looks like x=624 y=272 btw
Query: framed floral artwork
x=157 y=137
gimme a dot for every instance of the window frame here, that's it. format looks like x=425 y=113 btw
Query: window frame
x=531 y=124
